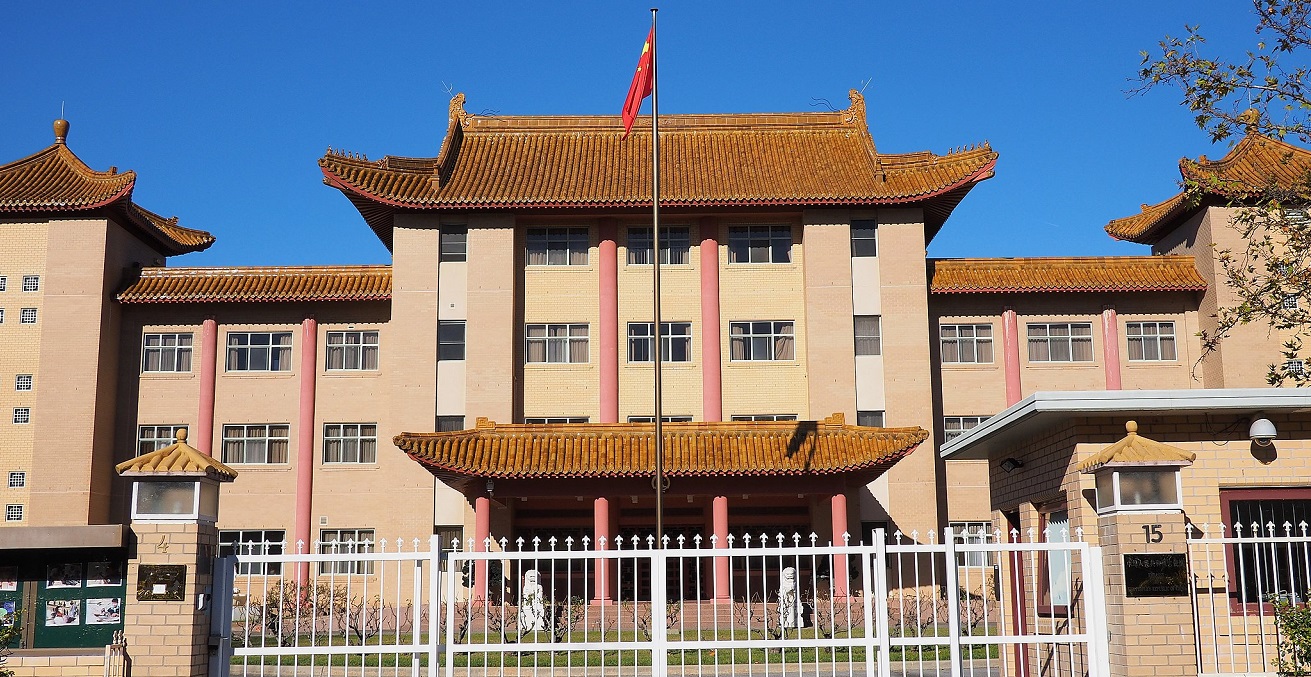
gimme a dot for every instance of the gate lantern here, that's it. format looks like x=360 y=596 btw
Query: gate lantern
x=1138 y=474
x=176 y=483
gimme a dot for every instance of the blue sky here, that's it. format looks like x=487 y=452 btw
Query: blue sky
x=224 y=108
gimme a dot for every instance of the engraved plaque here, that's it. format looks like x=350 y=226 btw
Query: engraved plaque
x=161 y=582
x=1156 y=575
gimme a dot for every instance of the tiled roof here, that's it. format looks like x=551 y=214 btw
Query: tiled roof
x=561 y=162
x=260 y=284
x=56 y=181
x=737 y=449
x=1081 y=274
x=177 y=459
x=1135 y=450
x=1255 y=163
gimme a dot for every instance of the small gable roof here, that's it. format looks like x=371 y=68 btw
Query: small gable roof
x=176 y=460
x=1135 y=450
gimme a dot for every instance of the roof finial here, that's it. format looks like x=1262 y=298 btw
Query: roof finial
x=1131 y=427
x=61 y=131
x=181 y=434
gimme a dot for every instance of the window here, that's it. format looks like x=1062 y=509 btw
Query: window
x=542 y=420
x=675 y=242
x=23 y=382
x=253 y=542
x=17 y=479
x=259 y=351
x=966 y=343
x=350 y=443
x=871 y=419
x=1151 y=341
x=454 y=244
x=13 y=513
x=663 y=419
x=556 y=343
x=450 y=537
x=864 y=238
x=450 y=340
x=764 y=417
x=765 y=340
x=955 y=426
x=1290 y=302
x=351 y=351
x=22 y=415
x=557 y=246
x=153 y=437
x=2 y=315
x=166 y=353
x=27 y=316
x=971 y=533
x=346 y=542
x=760 y=244
x=255 y=443
x=446 y=424
x=1294 y=367
x=1268 y=568
x=4 y=282
x=31 y=282
x=1069 y=342
x=868 y=340
x=1055 y=593
x=675 y=341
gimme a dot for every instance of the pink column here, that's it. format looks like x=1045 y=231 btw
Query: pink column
x=204 y=437
x=840 y=574
x=712 y=386
x=602 y=537
x=1111 y=347
x=482 y=529
x=719 y=508
x=309 y=362
x=609 y=325
x=1011 y=355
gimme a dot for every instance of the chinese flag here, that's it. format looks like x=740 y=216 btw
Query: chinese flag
x=641 y=87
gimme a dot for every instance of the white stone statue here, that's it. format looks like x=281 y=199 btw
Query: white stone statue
x=532 y=608
x=791 y=611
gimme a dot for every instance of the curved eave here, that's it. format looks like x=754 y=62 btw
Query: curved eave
x=1068 y=290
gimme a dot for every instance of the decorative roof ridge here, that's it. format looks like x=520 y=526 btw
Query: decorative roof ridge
x=1135 y=450
x=73 y=162
x=1067 y=259
x=185 y=271
x=836 y=422
x=1250 y=141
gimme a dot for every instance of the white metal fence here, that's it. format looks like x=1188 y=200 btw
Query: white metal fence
x=755 y=604
x=1239 y=573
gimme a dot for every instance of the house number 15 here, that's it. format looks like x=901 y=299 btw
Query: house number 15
x=1152 y=533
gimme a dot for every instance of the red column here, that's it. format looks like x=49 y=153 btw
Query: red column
x=609 y=324
x=309 y=362
x=482 y=529
x=712 y=386
x=1111 y=347
x=602 y=533
x=204 y=437
x=1011 y=355
x=719 y=508
x=840 y=574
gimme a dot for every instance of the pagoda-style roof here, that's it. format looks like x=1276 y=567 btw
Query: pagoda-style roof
x=702 y=449
x=1255 y=164
x=176 y=460
x=495 y=162
x=1070 y=274
x=1134 y=450
x=260 y=284
x=56 y=182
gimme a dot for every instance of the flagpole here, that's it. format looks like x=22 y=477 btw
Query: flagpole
x=655 y=275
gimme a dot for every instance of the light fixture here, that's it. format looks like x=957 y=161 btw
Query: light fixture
x=1262 y=431
x=491 y=487
x=1010 y=464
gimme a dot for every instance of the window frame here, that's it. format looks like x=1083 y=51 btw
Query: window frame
x=176 y=350
x=19 y=383
x=675 y=240
x=15 y=512
x=449 y=350
x=448 y=251
x=282 y=363
x=569 y=340
x=564 y=241
x=1068 y=340
x=881 y=414
x=23 y=413
x=555 y=420
x=947 y=435
x=442 y=421
x=353 y=356
x=667 y=341
x=229 y=545
x=748 y=418
x=864 y=246
x=339 y=436
x=1144 y=339
x=348 y=568
x=35 y=285
x=748 y=340
x=746 y=239
x=17 y=479
x=4 y=283
x=267 y=438
x=27 y=316
x=156 y=441
x=1045 y=607
x=974 y=341
x=663 y=419
x=1237 y=597
x=872 y=342
x=972 y=532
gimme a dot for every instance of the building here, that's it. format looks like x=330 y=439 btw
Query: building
x=516 y=306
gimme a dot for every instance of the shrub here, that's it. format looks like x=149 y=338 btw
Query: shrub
x=1293 y=625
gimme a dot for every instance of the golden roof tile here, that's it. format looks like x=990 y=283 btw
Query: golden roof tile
x=592 y=450
x=56 y=181
x=575 y=162
x=176 y=460
x=1071 y=274
x=1257 y=162
x=1134 y=450
x=260 y=284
